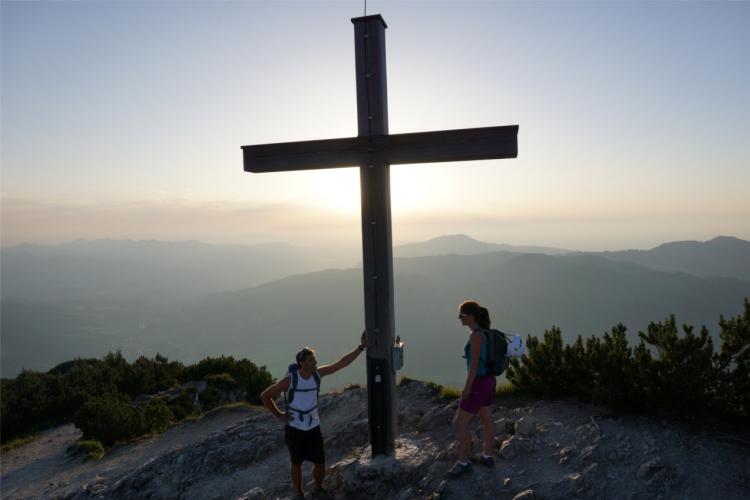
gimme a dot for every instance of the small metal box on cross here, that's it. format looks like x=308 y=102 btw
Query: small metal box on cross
x=374 y=150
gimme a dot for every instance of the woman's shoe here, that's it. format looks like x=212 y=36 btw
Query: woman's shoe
x=459 y=469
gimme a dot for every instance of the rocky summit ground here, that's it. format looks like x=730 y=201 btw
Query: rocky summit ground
x=545 y=449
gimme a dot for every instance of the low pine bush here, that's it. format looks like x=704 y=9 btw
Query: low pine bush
x=667 y=371
x=113 y=418
x=108 y=419
x=33 y=401
x=210 y=398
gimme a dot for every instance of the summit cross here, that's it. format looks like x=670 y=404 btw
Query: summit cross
x=374 y=150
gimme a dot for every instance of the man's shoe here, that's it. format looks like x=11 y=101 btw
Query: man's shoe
x=486 y=461
x=459 y=469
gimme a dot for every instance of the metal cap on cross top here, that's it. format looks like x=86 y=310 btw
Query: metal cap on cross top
x=371 y=17
x=373 y=151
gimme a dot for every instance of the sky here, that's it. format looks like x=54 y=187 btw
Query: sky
x=124 y=120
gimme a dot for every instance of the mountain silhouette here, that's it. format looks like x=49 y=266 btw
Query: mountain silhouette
x=721 y=256
x=464 y=245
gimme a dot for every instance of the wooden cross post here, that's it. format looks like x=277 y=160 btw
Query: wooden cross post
x=374 y=150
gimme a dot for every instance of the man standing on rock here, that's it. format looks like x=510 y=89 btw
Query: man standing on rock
x=302 y=430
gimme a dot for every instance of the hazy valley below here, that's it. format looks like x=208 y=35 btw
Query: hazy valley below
x=188 y=300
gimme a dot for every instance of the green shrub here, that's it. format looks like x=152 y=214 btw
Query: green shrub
x=544 y=368
x=108 y=419
x=33 y=400
x=112 y=418
x=183 y=405
x=210 y=398
x=155 y=417
x=668 y=370
x=732 y=364
x=250 y=379
x=222 y=381
x=147 y=376
x=682 y=375
x=609 y=361
x=27 y=403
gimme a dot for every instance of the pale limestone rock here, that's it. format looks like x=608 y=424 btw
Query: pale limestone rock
x=256 y=493
x=526 y=426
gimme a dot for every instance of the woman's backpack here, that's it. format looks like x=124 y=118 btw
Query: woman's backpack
x=500 y=347
x=497 y=351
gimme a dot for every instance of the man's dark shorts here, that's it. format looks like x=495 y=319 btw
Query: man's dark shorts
x=305 y=445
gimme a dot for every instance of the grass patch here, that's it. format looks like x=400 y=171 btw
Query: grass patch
x=15 y=443
x=91 y=449
x=238 y=404
x=508 y=389
x=435 y=387
x=405 y=381
x=441 y=391
x=337 y=392
x=450 y=393
x=229 y=406
x=504 y=388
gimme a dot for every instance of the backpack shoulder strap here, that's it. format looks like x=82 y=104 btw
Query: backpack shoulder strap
x=488 y=346
x=316 y=376
x=293 y=386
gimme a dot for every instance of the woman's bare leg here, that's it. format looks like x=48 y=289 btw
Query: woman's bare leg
x=485 y=414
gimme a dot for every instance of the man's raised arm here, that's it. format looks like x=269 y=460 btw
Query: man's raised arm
x=345 y=360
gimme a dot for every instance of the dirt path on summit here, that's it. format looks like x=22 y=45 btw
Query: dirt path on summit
x=41 y=468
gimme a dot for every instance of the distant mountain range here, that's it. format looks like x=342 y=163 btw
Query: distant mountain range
x=114 y=270
x=461 y=244
x=158 y=271
x=527 y=293
x=721 y=256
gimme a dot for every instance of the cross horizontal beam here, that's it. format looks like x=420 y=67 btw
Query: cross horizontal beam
x=485 y=143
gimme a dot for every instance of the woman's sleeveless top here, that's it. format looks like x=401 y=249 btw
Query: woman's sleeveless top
x=303 y=411
x=482 y=368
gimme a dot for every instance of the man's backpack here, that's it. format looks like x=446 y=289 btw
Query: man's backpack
x=497 y=350
x=289 y=395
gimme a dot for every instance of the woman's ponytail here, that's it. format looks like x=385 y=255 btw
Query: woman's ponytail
x=483 y=319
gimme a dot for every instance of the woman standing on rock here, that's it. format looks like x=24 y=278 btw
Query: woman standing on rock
x=479 y=390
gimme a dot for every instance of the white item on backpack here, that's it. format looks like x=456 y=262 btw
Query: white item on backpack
x=516 y=347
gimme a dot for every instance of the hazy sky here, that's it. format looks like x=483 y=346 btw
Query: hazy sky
x=125 y=120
